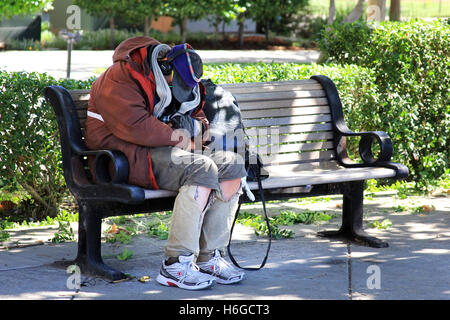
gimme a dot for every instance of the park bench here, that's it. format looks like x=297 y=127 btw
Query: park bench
x=308 y=157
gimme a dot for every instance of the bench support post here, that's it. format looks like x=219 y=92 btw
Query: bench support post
x=89 y=257
x=352 y=218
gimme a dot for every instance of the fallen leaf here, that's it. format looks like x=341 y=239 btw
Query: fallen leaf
x=144 y=279
x=428 y=208
x=114 y=229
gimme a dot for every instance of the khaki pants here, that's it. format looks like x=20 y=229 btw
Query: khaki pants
x=192 y=229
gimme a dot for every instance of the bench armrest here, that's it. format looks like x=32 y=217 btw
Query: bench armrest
x=365 y=147
x=341 y=131
x=110 y=166
x=365 y=152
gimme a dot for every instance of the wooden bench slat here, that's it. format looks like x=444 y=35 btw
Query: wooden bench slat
x=263 y=140
x=288 y=103
x=292 y=168
x=82 y=114
x=82 y=123
x=80 y=95
x=273 y=88
x=284 y=112
x=298 y=157
x=230 y=86
x=266 y=122
x=301 y=128
x=292 y=147
x=81 y=105
x=301 y=178
x=155 y=194
x=307 y=174
x=283 y=95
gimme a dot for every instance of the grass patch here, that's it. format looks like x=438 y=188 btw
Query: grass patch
x=285 y=218
x=12 y=222
x=64 y=234
x=381 y=225
x=4 y=236
x=123 y=228
x=289 y=218
x=125 y=255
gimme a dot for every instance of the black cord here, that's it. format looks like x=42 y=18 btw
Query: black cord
x=261 y=192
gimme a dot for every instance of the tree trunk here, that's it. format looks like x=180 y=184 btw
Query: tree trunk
x=147 y=25
x=376 y=10
x=356 y=13
x=332 y=12
x=267 y=31
x=331 y=17
x=183 y=30
x=216 y=29
x=112 y=27
x=394 y=10
x=224 y=34
x=241 y=19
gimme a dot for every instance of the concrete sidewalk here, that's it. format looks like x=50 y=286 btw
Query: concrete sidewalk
x=86 y=64
x=415 y=266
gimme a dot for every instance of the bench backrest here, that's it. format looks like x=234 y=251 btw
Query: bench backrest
x=288 y=122
x=291 y=124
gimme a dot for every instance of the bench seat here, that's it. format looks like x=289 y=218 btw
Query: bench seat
x=286 y=176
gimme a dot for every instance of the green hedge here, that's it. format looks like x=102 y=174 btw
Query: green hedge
x=29 y=145
x=411 y=65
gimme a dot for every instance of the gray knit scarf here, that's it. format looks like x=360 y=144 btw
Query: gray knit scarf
x=163 y=90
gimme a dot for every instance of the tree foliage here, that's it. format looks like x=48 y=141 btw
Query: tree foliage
x=30 y=157
x=411 y=62
x=10 y=8
x=275 y=14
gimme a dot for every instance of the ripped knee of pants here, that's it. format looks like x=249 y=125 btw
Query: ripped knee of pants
x=227 y=196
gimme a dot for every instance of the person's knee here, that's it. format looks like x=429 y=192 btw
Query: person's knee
x=201 y=196
x=230 y=188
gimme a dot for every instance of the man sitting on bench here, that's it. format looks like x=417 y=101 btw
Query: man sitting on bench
x=134 y=107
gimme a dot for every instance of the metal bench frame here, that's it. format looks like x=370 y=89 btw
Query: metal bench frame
x=112 y=196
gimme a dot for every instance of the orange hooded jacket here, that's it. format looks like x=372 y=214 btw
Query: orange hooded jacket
x=124 y=96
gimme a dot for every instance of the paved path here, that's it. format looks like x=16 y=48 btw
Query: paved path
x=415 y=266
x=90 y=63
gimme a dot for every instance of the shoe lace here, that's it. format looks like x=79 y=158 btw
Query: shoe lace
x=188 y=266
x=219 y=263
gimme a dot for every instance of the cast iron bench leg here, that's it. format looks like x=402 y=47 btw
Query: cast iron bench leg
x=89 y=257
x=352 y=219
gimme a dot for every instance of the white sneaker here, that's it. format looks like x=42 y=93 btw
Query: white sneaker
x=184 y=274
x=221 y=270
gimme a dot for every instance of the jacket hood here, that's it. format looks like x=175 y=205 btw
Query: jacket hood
x=125 y=48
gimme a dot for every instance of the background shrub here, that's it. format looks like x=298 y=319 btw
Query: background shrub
x=411 y=65
x=29 y=141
